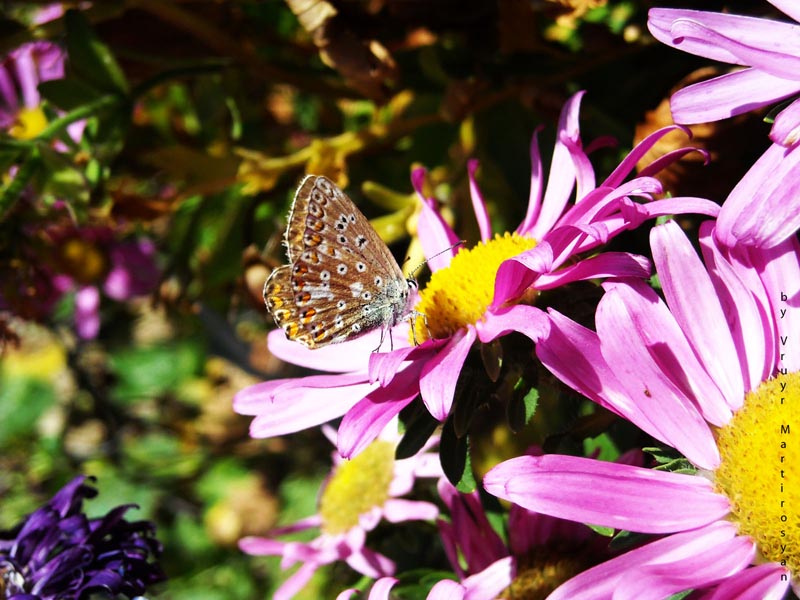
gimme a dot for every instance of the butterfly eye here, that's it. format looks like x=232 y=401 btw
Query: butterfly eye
x=412 y=284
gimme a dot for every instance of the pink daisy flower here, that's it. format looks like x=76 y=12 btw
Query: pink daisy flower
x=356 y=497
x=473 y=294
x=768 y=50
x=714 y=372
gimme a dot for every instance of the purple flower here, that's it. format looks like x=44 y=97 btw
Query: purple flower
x=57 y=553
x=356 y=497
x=473 y=294
x=770 y=51
x=710 y=372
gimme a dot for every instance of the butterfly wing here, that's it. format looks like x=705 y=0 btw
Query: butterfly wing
x=342 y=280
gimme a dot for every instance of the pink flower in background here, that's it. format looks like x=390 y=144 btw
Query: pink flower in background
x=92 y=260
x=706 y=373
x=768 y=51
x=472 y=295
x=356 y=497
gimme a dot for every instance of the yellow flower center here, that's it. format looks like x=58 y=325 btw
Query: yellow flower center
x=543 y=570
x=760 y=469
x=459 y=294
x=30 y=122
x=82 y=260
x=356 y=487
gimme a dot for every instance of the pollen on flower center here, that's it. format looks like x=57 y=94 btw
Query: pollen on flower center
x=29 y=123
x=760 y=469
x=458 y=295
x=542 y=571
x=357 y=486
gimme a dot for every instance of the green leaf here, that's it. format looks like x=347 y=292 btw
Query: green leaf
x=22 y=402
x=455 y=459
x=68 y=94
x=89 y=58
x=151 y=371
x=420 y=425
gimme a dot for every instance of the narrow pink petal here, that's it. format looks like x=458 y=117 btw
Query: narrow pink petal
x=259 y=397
x=259 y=546
x=607 y=264
x=437 y=382
x=384 y=365
x=381 y=588
x=786 y=128
x=673 y=156
x=603 y=580
x=87 y=312
x=693 y=302
x=696 y=571
x=397 y=510
x=447 y=589
x=435 y=235
x=364 y=422
x=488 y=584
x=729 y=95
x=760 y=582
x=346 y=594
x=516 y=274
x=370 y=563
x=764 y=207
x=563 y=174
x=572 y=353
x=637 y=337
x=629 y=163
x=28 y=75
x=478 y=204
x=296 y=582
x=718 y=36
x=609 y=494
x=787 y=7
x=528 y=320
x=748 y=320
x=537 y=185
x=301 y=408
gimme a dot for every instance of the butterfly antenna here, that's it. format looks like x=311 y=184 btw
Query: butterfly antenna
x=425 y=262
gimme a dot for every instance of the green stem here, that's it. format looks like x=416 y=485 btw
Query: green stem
x=82 y=112
x=11 y=194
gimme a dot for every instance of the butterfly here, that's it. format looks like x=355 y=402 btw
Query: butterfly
x=341 y=281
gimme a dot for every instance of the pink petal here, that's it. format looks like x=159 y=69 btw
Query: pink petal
x=478 y=205
x=528 y=320
x=609 y=494
x=572 y=353
x=384 y=365
x=729 y=95
x=563 y=171
x=696 y=307
x=748 y=319
x=364 y=422
x=723 y=37
x=433 y=232
x=780 y=271
x=447 y=589
x=760 y=582
x=371 y=564
x=787 y=7
x=489 y=583
x=603 y=580
x=695 y=570
x=381 y=588
x=634 y=156
x=87 y=312
x=535 y=195
x=636 y=335
x=329 y=358
x=397 y=510
x=296 y=582
x=297 y=408
x=755 y=46
x=786 y=128
x=608 y=264
x=764 y=207
x=437 y=382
